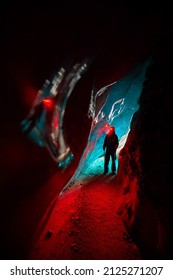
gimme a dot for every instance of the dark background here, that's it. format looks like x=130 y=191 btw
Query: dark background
x=35 y=41
x=38 y=38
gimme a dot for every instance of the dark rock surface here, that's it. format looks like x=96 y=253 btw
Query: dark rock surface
x=145 y=169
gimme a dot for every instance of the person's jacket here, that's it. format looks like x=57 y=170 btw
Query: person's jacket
x=111 y=143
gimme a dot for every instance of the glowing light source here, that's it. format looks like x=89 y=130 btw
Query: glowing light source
x=48 y=103
x=111 y=130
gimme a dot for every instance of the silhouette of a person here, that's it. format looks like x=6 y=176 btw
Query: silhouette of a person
x=110 y=144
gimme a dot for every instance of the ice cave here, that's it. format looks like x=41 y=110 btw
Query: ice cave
x=121 y=102
x=71 y=72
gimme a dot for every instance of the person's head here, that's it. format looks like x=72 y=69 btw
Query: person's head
x=111 y=130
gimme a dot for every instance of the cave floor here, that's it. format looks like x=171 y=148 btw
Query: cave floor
x=83 y=224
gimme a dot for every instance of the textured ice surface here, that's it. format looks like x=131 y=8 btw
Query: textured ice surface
x=121 y=103
x=44 y=125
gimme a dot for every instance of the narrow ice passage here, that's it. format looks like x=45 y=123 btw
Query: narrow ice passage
x=82 y=223
x=120 y=105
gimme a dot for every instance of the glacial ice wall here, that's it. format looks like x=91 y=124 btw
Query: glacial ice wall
x=121 y=102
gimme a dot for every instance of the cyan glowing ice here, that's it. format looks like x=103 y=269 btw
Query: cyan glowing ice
x=120 y=105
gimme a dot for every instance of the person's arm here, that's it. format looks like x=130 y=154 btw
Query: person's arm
x=117 y=142
x=105 y=144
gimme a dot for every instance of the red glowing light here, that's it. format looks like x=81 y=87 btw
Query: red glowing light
x=103 y=129
x=111 y=130
x=48 y=103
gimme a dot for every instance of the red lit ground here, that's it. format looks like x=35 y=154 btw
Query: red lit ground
x=83 y=224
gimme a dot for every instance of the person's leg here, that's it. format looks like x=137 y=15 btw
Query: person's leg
x=113 y=156
x=107 y=158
